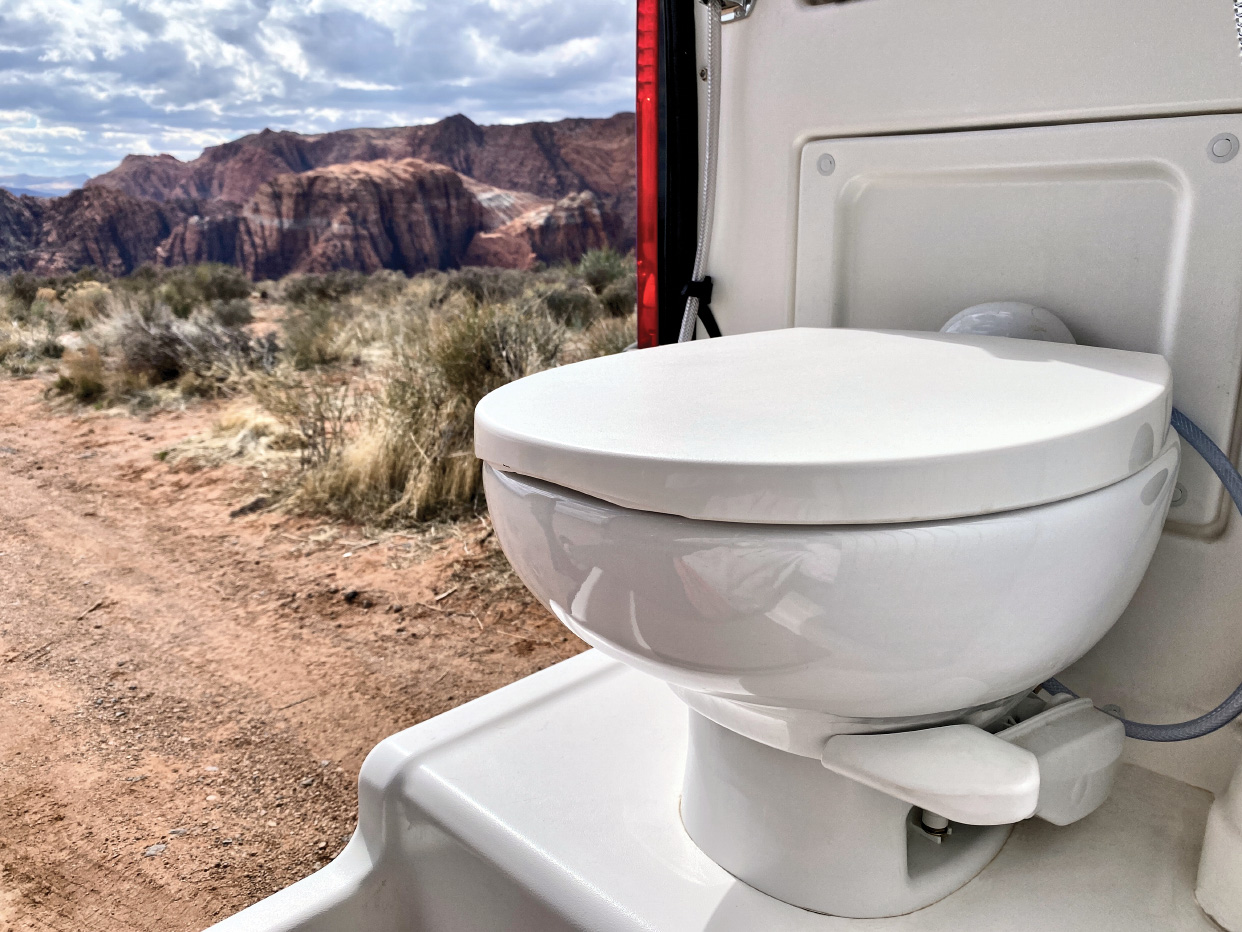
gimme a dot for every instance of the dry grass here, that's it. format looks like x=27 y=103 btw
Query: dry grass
x=356 y=393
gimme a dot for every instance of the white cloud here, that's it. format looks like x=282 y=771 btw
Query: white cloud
x=83 y=82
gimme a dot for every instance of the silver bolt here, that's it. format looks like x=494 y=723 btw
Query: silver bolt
x=1223 y=147
x=826 y=164
x=1179 y=495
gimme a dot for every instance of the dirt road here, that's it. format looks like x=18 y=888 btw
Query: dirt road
x=185 y=697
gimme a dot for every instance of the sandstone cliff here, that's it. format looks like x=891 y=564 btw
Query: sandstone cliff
x=547 y=233
x=408 y=215
x=105 y=228
x=19 y=226
x=408 y=198
x=549 y=160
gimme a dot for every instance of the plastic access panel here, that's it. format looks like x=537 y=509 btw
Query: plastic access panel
x=1129 y=231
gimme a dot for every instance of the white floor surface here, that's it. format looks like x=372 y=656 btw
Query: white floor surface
x=552 y=804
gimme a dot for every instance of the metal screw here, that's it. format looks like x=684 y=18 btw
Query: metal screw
x=826 y=164
x=1223 y=147
x=1179 y=495
x=702 y=74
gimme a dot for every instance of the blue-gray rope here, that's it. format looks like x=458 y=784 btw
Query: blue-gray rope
x=1231 y=708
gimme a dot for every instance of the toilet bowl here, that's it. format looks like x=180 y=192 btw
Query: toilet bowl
x=811 y=534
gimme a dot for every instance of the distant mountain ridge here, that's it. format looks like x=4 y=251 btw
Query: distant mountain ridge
x=42 y=185
x=411 y=198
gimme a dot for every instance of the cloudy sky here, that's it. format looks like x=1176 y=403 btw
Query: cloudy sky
x=83 y=82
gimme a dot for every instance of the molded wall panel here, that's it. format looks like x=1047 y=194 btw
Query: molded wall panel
x=1129 y=231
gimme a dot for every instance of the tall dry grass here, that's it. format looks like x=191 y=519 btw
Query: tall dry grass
x=371 y=379
x=404 y=450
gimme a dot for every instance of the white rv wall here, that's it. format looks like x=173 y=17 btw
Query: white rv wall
x=795 y=72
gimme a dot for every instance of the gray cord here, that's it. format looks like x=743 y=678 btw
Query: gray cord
x=1231 y=708
x=708 y=194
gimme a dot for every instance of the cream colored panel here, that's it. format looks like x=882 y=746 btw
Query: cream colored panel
x=1129 y=231
x=794 y=73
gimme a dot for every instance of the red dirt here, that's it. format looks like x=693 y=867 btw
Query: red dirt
x=173 y=676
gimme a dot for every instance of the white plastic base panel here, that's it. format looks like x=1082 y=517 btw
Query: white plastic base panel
x=552 y=804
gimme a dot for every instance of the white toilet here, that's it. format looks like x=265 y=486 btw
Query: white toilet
x=853 y=555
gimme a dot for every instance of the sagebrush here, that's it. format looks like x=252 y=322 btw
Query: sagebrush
x=358 y=391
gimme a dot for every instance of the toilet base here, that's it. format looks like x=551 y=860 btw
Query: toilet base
x=794 y=830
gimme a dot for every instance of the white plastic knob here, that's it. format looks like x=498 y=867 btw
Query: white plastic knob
x=1010 y=319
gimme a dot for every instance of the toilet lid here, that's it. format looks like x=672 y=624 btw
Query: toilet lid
x=834 y=426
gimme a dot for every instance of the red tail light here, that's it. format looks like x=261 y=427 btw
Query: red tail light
x=647 y=111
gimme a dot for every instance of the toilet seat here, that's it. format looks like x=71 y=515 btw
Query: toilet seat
x=834 y=426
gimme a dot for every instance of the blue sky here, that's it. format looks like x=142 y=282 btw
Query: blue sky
x=84 y=82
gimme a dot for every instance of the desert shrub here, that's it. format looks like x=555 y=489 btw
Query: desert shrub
x=27 y=347
x=144 y=278
x=319 y=408
x=180 y=296
x=399 y=447
x=610 y=335
x=571 y=303
x=235 y=312
x=152 y=351
x=218 y=282
x=46 y=308
x=487 y=345
x=487 y=285
x=190 y=287
x=85 y=303
x=82 y=375
x=21 y=288
x=312 y=335
x=599 y=268
x=620 y=297
x=383 y=287
x=158 y=351
x=306 y=290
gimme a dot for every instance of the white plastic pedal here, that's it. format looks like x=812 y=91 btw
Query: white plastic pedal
x=1078 y=748
x=958 y=771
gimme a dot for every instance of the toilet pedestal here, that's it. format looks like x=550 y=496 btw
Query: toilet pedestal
x=787 y=826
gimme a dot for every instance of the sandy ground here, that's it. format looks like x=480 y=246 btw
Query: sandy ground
x=186 y=697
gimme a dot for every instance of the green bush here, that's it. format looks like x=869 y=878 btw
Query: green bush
x=599 y=268
x=22 y=288
x=305 y=290
x=485 y=285
x=571 y=303
x=620 y=298
x=234 y=312
x=485 y=346
x=311 y=335
x=190 y=287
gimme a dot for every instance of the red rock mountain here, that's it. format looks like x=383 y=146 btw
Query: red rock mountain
x=408 y=215
x=408 y=198
x=105 y=228
x=550 y=160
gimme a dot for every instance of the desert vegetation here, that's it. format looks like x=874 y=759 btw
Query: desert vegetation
x=354 y=392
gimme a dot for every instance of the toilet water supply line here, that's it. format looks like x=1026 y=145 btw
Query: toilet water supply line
x=1231 y=708
x=700 y=287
